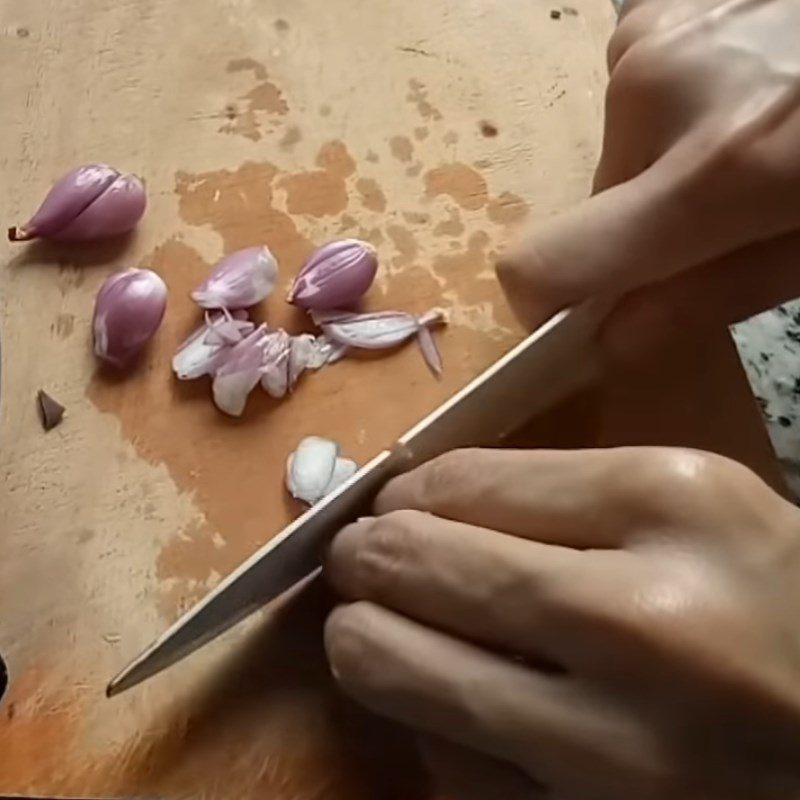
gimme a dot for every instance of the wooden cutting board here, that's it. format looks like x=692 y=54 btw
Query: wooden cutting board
x=429 y=129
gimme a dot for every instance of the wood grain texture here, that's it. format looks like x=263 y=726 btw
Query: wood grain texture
x=427 y=128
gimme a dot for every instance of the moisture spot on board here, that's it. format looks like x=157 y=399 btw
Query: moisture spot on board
x=281 y=25
x=401 y=148
x=291 y=137
x=421 y=133
x=418 y=95
x=372 y=157
x=230 y=111
x=23 y=33
x=488 y=129
x=459 y=182
x=372 y=197
x=324 y=110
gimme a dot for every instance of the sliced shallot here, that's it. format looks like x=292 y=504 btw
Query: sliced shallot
x=381 y=330
x=205 y=349
x=239 y=373
x=315 y=469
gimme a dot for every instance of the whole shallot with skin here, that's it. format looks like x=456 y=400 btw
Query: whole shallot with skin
x=94 y=201
x=337 y=275
x=382 y=330
x=128 y=311
x=240 y=280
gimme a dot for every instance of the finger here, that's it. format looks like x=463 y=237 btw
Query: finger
x=554 y=728
x=463 y=774
x=639 y=232
x=482 y=585
x=575 y=498
x=707 y=298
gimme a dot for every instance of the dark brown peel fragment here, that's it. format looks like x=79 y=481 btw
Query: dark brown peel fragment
x=51 y=412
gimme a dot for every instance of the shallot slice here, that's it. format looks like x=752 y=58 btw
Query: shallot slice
x=240 y=280
x=239 y=373
x=206 y=348
x=382 y=330
x=343 y=470
x=315 y=469
x=275 y=361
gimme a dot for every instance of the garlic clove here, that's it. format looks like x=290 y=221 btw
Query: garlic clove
x=240 y=280
x=310 y=469
x=343 y=470
x=239 y=372
x=337 y=275
x=128 y=311
x=91 y=202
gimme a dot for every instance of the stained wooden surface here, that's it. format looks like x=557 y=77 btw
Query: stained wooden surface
x=426 y=128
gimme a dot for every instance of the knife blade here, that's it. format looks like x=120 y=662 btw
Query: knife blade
x=551 y=363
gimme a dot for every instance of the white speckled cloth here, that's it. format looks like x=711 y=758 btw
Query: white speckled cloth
x=769 y=346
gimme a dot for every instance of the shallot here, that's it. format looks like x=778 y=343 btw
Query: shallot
x=128 y=311
x=240 y=280
x=315 y=469
x=94 y=201
x=336 y=276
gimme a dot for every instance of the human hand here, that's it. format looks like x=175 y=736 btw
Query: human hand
x=617 y=623
x=697 y=185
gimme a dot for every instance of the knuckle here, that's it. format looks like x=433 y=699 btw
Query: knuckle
x=677 y=472
x=386 y=551
x=346 y=642
x=443 y=477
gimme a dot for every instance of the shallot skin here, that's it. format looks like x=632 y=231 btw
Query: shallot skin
x=128 y=311
x=94 y=201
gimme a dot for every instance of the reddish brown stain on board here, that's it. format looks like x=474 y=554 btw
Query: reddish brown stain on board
x=322 y=192
x=507 y=209
x=264 y=98
x=372 y=197
x=335 y=159
x=402 y=148
x=460 y=182
x=248 y=64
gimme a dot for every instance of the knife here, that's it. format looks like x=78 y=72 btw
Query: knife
x=551 y=363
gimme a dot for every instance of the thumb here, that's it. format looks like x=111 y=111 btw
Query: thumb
x=671 y=217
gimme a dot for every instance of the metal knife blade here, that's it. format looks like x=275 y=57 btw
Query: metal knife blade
x=552 y=362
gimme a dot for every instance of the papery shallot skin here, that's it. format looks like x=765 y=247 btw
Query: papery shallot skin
x=128 y=311
x=94 y=201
